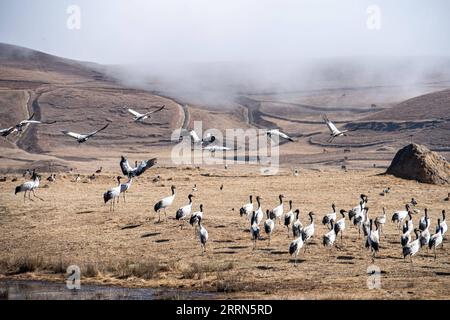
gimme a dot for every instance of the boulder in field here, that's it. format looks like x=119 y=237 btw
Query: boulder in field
x=417 y=162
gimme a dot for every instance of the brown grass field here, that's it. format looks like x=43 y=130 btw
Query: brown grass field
x=39 y=239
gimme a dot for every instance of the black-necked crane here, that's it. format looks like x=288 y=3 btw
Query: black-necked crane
x=436 y=239
x=361 y=222
x=329 y=238
x=21 y=125
x=195 y=216
x=409 y=223
x=381 y=221
x=203 y=235
x=373 y=240
x=405 y=238
x=83 y=137
x=412 y=247
x=308 y=231
x=131 y=172
x=247 y=208
x=359 y=208
x=259 y=213
x=76 y=178
x=294 y=248
x=366 y=222
x=448 y=197
x=269 y=226
x=51 y=178
x=278 y=211
x=399 y=216
x=29 y=186
x=289 y=217
x=424 y=221
x=334 y=132
x=297 y=226
x=113 y=194
x=414 y=202
x=279 y=134
x=165 y=203
x=140 y=117
x=184 y=211
x=194 y=188
x=425 y=234
x=443 y=224
x=339 y=227
x=328 y=218
x=124 y=187
x=254 y=229
x=385 y=191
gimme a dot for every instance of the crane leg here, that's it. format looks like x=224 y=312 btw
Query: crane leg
x=34 y=194
x=124 y=201
x=159 y=215
x=24 y=196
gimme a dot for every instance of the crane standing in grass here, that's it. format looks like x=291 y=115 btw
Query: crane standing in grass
x=164 y=203
x=113 y=194
x=29 y=186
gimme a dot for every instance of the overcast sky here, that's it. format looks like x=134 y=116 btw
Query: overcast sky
x=137 y=31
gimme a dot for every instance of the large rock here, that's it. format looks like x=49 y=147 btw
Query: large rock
x=416 y=162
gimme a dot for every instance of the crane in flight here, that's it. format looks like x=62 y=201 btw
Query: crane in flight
x=334 y=132
x=140 y=117
x=83 y=137
x=276 y=132
x=21 y=125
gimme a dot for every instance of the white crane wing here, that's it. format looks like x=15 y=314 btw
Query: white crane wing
x=330 y=125
x=154 y=111
x=29 y=121
x=97 y=131
x=135 y=113
x=73 y=134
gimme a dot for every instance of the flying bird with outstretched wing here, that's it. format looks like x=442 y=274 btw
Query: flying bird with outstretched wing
x=276 y=132
x=83 y=137
x=139 y=117
x=21 y=125
x=131 y=172
x=206 y=140
x=334 y=132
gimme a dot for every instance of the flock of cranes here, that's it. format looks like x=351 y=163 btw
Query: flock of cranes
x=260 y=221
x=79 y=137
x=336 y=224
x=206 y=142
